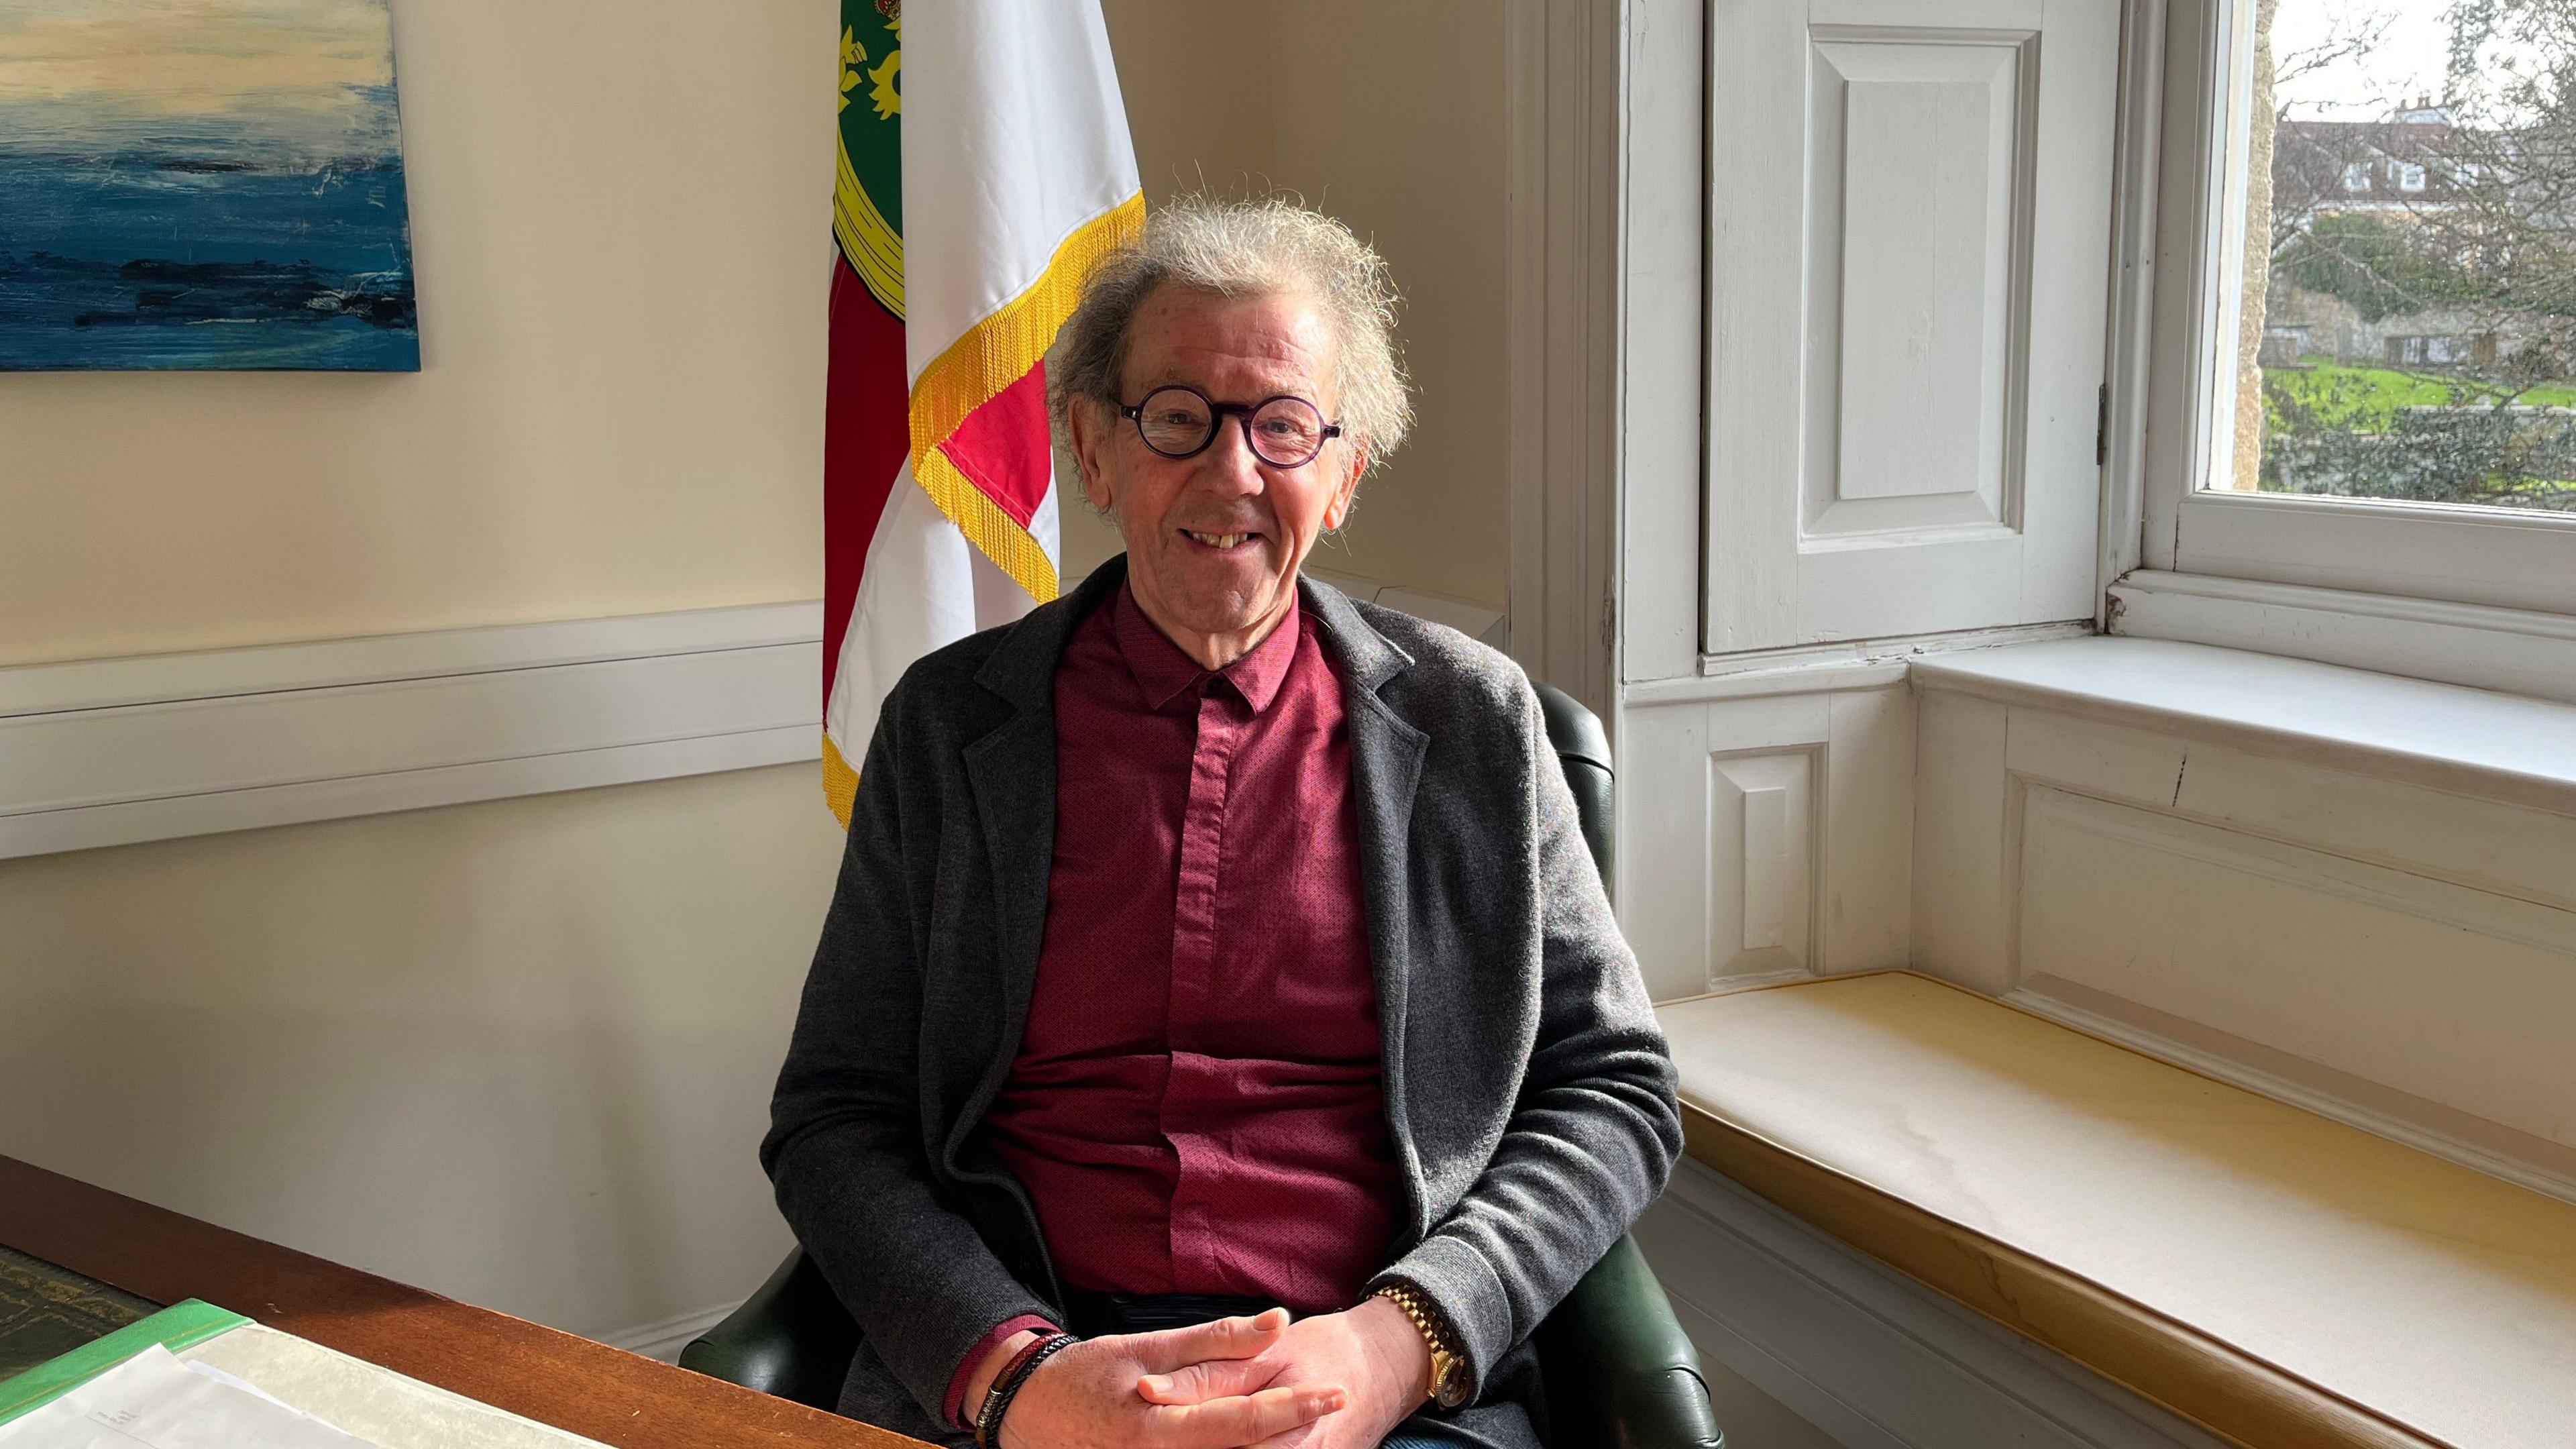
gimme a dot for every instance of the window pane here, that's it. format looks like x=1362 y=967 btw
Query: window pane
x=2403 y=321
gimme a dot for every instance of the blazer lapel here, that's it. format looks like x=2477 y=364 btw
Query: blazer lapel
x=1386 y=769
x=1010 y=771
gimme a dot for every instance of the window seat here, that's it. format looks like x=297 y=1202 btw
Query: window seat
x=2274 y=1276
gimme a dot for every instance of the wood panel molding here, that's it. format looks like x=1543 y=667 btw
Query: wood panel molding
x=1562 y=378
x=2283 y=942
x=1765 y=835
x=115 y=751
x=1906 y=332
x=2338 y=888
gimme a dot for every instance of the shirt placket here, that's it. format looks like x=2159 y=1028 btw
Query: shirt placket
x=1193 y=1085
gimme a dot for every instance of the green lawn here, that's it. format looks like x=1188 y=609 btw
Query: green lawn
x=2366 y=398
x=2334 y=421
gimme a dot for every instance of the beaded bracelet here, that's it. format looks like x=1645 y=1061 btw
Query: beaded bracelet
x=1006 y=1385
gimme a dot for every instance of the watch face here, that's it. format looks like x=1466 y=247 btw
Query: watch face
x=1451 y=1390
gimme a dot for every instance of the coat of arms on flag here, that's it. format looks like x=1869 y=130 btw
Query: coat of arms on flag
x=983 y=166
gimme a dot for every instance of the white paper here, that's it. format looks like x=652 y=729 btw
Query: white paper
x=375 y=1403
x=153 y=1401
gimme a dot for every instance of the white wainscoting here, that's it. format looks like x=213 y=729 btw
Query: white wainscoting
x=1763 y=824
x=2349 y=891
x=1766 y=811
x=109 y=752
x=115 y=751
x=1869 y=1356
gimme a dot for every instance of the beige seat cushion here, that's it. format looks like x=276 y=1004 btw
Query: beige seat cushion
x=2276 y=1276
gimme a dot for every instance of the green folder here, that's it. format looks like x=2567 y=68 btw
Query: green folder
x=182 y=1325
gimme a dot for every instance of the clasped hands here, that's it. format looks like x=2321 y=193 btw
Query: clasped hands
x=1332 y=1381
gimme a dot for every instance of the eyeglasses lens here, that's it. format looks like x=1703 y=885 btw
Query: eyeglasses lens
x=1287 y=431
x=1175 y=421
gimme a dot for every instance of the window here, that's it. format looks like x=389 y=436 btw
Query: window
x=2383 y=382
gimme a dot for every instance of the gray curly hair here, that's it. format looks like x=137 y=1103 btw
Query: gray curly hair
x=1240 y=249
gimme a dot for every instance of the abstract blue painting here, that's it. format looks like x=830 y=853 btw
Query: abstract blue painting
x=202 y=184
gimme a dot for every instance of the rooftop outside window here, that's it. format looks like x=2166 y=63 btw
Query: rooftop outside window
x=2412 y=342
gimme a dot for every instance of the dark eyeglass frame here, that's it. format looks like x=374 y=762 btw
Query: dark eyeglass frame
x=1242 y=413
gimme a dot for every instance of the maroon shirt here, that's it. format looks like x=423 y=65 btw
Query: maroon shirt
x=1197 y=1105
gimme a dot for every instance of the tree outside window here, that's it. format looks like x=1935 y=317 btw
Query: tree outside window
x=2417 y=341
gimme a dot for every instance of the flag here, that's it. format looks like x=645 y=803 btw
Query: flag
x=984 y=166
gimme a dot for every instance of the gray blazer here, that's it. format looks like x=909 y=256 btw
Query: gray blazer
x=1529 y=1095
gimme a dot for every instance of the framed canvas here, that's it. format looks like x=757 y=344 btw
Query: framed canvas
x=202 y=184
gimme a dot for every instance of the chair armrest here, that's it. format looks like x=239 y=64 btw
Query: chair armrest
x=791 y=1338
x=1619 y=1369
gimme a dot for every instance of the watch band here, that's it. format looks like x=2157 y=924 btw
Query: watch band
x=1448 y=1362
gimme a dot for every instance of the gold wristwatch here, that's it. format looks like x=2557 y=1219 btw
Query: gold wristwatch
x=1448 y=1365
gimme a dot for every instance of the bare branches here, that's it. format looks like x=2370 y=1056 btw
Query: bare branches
x=2430 y=255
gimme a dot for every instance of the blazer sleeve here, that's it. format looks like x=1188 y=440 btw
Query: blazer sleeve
x=844 y=1149
x=1596 y=1126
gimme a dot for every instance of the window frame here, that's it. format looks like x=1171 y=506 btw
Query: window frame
x=2192 y=148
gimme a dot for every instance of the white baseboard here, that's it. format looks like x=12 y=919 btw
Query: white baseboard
x=110 y=752
x=665 y=1339
x=1869 y=1356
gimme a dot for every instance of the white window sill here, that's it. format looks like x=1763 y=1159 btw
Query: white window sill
x=2517 y=651
x=2476 y=742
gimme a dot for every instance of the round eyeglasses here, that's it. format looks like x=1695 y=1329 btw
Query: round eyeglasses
x=1180 y=422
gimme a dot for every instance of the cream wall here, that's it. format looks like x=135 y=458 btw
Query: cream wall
x=1390 y=117
x=520 y=1052
x=622 y=246
x=1199 y=121
x=621 y=403
x=1394 y=121
x=516 y=1052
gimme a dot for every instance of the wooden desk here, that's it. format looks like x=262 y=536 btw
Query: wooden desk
x=539 y=1373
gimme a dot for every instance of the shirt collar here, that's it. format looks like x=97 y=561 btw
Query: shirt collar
x=1163 y=671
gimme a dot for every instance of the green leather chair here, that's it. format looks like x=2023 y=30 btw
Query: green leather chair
x=1620 y=1372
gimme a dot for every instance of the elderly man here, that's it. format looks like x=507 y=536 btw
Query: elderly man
x=1219 y=1036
